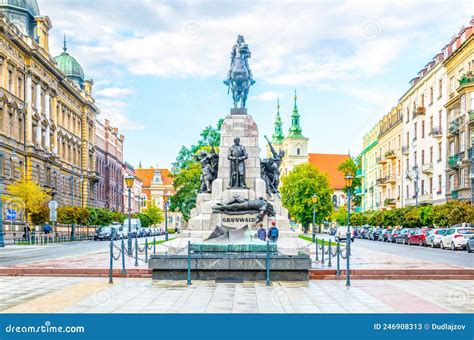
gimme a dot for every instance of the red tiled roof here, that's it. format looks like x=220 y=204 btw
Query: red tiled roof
x=328 y=164
x=146 y=175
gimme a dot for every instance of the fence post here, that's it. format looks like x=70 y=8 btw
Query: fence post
x=189 y=263
x=111 y=280
x=267 y=265
x=317 y=250
x=146 y=250
x=338 y=250
x=329 y=254
x=136 y=252
x=122 y=250
x=154 y=245
x=322 y=251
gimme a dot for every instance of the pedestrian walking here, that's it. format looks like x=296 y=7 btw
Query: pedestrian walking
x=261 y=233
x=273 y=233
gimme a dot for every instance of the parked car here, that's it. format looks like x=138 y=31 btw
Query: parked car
x=107 y=233
x=147 y=231
x=385 y=235
x=402 y=236
x=418 y=236
x=456 y=238
x=341 y=233
x=393 y=236
x=375 y=234
x=363 y=232
x=433 y=239
x=135 y=225
x=470 y=244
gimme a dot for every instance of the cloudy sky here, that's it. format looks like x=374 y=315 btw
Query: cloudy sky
x=158 y=66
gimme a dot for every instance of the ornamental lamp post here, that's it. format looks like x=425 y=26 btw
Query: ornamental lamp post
x=314 y=199
x=129 y=183
x=348 y=178
x=166 y=198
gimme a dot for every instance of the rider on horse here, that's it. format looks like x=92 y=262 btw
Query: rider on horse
x=240 y=50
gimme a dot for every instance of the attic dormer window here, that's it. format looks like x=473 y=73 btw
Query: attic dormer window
x=157 y=178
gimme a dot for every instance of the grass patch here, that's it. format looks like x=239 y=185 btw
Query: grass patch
x=160 y=241
x=310 y=239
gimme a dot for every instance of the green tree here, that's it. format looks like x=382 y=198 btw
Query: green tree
x=411 y=217
x=297 y=189
x=117 y=216
x=154 y=213
x=351 y=166
x=145 y=221
x=391 y=218
x=104 y=217
x=40 y=216
x=426 y=215
x=340 y=215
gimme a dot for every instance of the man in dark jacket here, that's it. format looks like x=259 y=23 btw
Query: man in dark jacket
x=262 y=233
x=273 y=233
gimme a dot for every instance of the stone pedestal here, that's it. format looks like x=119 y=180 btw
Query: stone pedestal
x=237 y=124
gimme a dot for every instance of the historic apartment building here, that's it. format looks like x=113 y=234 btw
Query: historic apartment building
x=138 y=198
x=295 y=145
x=47 y=112
x=369 y=171
x=437 y=124
x=109 y=165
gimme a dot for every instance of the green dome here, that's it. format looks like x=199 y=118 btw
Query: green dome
x=71 y=68
x=29 y=5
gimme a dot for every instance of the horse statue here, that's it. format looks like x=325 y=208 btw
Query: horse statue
x=239 y=78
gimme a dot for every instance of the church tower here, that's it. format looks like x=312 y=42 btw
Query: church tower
x=295 y=144
x=277 y=136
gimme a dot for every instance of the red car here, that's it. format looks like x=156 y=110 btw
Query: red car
x=418 y=237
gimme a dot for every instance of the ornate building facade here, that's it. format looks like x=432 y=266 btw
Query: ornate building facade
x=138 y=198
x=109 y=165
x=47 y=112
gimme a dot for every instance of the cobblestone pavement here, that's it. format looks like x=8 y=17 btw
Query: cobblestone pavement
x=95 y=295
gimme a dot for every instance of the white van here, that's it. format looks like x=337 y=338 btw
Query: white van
x=136 y=227
x=341 y=234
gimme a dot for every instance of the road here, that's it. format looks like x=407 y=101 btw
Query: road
x=13 y=255
x=456 y=258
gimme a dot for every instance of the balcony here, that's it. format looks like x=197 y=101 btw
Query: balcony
x=358 y=191
x=436 y=132
x=454 y=161
x=359 y=173
x=466 y=79
x=390 y=154
x=471 y=118
x=427 y=168
x=390 y=202
x=453 y=127
x=381 y=181
x=405 y=149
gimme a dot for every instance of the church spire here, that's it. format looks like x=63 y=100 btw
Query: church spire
x=64 y=44
x=277 y=137
x=295 y=128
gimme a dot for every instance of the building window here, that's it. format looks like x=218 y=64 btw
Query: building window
x=423 y=129
x=440 y=184
x=431 y=154
x=422 y=186
x=415 y=131
x=407 y=189
x=462 y=178
x=440 y=154
x=451 y=183
x=431 y=186
x=415 y=160
x=422 y=100
x=422 y=157
x=298 y=151
x=451 y=85
x=431 y=95
x=440 y=88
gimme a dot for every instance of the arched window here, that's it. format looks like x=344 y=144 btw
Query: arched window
x=298 y=151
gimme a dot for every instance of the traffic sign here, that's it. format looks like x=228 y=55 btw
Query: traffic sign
x=11 y=214
x=53 y=216
x=53 y=205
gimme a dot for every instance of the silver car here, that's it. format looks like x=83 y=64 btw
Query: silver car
x=433 y=239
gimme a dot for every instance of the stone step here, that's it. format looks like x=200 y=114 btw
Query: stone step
x=395 y=274
x=79 y=272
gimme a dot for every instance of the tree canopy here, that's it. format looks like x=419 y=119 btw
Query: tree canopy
x=351 y=166
x=297 y=190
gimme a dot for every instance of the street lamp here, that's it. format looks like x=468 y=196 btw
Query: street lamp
x=166 y=198
x=314 y=199
x=349 y=178
x=129 y=183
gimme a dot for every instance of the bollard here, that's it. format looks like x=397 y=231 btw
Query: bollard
x=154 y=245
x=189 y=263
x=267 y=265
x=338 y=251
x=111 y=280
x=146 y=250
x=329 y=254
x=348 y=253
x=317 y=249
x=136 y=252
x=124 y=271
x=322 y=251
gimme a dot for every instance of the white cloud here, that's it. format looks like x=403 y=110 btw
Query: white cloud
x=266 y=96
x=113 y=92
x=115 y=111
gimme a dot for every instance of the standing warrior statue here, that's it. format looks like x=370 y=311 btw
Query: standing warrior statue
x=237 y=156
x=209 y=164
x=270 y=169
x=239 y=78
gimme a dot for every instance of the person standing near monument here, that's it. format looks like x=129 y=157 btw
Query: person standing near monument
x=273 y=233
x=237 y=156
x=261 y=233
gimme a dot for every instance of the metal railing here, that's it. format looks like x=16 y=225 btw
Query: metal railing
x=42 y=239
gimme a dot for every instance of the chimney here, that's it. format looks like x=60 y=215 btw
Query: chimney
x=43 y=25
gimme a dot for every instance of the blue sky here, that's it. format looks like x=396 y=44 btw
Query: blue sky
x=158 y=66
